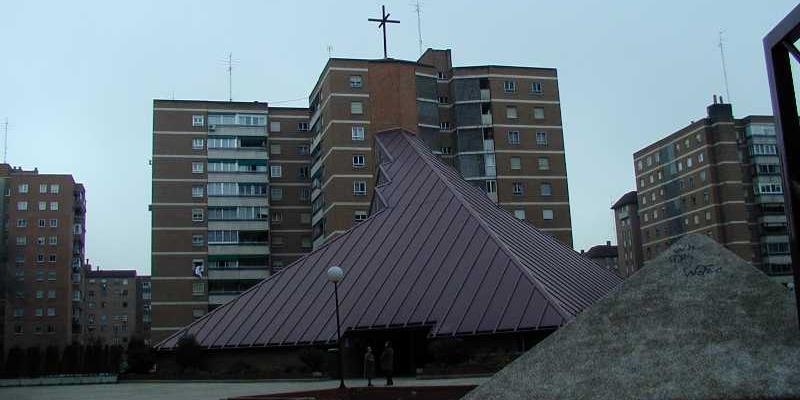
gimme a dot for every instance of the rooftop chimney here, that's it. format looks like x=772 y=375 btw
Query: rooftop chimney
x=715 y=99
x=608 y=243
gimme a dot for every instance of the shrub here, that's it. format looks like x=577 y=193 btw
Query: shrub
x=189 y=353
x=52 y=360
x=34 y=361
x=313 y=358
x=15 y=362
x=448 y=351
x=140 y=356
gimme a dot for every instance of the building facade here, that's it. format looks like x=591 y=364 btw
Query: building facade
x=500 y=126
x=44 y=252
x=629 y=239
x=605 y=255
x=111 y=306
x=144 y=317
x=719 y=176
x=241 y=190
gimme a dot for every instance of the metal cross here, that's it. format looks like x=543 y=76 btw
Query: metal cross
x=383 y=21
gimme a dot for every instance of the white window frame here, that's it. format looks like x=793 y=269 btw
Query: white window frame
x=547 y=214
x=275 y=171
x=198 y=144
x=360 y=215
x=53 y=206
x=356 y=108
x=359 y=188
x=515 y=163
x=536 y=87
x=55 y=188
x=359 y=161
x=519 y=214
x=198 y=120
x=356 y=81
x=513 y=137
x=23 y=188
x=544 y=163
x=197 y=191
x=197 y=215
x=510 y=86
x=512 y=112
x=545 y=189
x=357 y=133
x=275 y=126
x=198 y=167
x=538 y=112
x=42 y=188
x=541 y=138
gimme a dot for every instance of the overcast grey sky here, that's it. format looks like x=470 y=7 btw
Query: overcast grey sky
x=77 y=80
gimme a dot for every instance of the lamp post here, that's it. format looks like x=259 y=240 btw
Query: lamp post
x=335 y=274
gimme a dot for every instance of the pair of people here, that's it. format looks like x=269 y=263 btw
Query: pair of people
x=387 y=364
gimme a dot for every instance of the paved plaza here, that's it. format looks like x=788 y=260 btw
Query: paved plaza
x=197 y=390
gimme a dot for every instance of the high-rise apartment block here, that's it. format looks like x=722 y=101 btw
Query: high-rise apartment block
x=241 y=190
x=629 y=238
x=499 y=126
x=45 y=218
x=720 y=176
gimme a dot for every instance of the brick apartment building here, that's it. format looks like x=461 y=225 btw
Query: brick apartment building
x=241 y=189
x=720 y=176
x=143 y=314
x=629 y=237
x=45 y=218
x=111 y=306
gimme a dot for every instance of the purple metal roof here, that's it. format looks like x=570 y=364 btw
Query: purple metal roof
x=438 y=252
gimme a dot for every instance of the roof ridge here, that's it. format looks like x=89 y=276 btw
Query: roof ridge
x=501 y=244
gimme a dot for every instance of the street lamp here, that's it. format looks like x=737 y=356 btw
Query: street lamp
x=335 y=275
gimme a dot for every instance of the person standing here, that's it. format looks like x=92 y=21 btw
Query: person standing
x=387 y=362
x=369 y=366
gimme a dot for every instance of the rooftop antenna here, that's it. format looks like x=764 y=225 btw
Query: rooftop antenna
x=418 y=9
x=230 y=76
x=330 y=51
x=724 y=68
x=5 y=141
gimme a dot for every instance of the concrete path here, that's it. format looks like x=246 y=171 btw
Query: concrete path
x=197 y=390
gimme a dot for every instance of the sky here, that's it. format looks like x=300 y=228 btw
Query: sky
x=77 y=80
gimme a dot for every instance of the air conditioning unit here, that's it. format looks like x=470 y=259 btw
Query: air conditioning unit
x=212 y=128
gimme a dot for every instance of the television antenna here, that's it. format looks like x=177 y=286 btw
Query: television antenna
x=418 y=9
x=724 y=68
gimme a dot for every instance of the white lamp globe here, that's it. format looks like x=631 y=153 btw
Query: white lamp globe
x=335 y=274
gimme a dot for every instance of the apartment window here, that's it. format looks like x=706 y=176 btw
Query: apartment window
x=356 y=81
x=276 y=193
x=443 y=126
x=652 y=178
x=705 y=196
x=302 y=127
x=302 y=150
x=544 y=163
x=197 y=167
x=305 y=218
x=491 y=186
x=518 y=188
x=42 y=205
x=708 y=215
x=197 y=215
x=519 y=214
x=545 y=189
x=303 y=172
x=689 y=162
x=52 y=240
x=536 y=87
x=23 y=188
x=40 y=241
x=275 y=171
x=357 y=133
x=306 y=243
x=278 y=241
x=509 y=86
x=700 y=158
x=51 y=258
x=40 y=294
x=646 y=217
x=22 y=223
x=649 y=161
x=541 y=139
x=696 y=219
x=304 y=194
x=197 y=191
x=513 y=137
x=511 y=112
x=51 y=275
x=358 y=161
x=197 y=240
x=40 y=258
x=356 y=107
x=538 y=113
x=51 y=294
x=198 y=120
x=441 y=75
x=702 y=176
x=443 y=100
x=55 y=188
x=445 y=150
x=198 y=144
x=639 y=165
x=198 y=288
x=275 y=149
x=516 y=163
x=54 y=223
x=43 y=188
x=547 y=214
x=53 y=206
x=22 y=240
x=39 y=312
x=680 y=166
x=359 y=215
x=275 y=126
x=360 y=188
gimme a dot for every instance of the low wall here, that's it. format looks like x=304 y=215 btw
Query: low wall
x=59 y=380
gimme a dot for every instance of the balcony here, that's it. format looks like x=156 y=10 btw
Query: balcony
x=769 y=198
x=250 y=153
x=237 y=130
x=238 y=249
x=239 y=225
x=220 y=298
x=486 y=119
x=781 y=259
x=772 y=220
x=485 y=96
x=230 y=201
x=237 y=273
